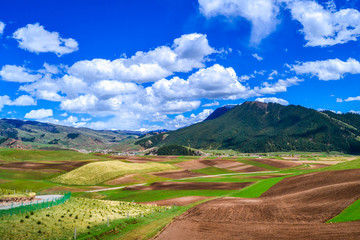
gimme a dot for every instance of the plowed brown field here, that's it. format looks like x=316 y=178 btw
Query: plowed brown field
x=178 y=174
x=277 y=163
x=295 y=208
x=180 y=201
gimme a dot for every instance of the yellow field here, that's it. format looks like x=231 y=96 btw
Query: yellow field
x=99 y=172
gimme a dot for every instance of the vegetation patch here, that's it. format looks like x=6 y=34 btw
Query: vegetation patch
x=351 y=213
x=6 y=194
x=212 y=171
x=98 y=172
x=60 y=221
x=257 y=189
x=176 y=150
x=155 y=195
x=42 y=155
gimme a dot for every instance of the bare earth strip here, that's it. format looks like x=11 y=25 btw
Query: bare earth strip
x=277 y=163
x=295 y=208
x=180 y=201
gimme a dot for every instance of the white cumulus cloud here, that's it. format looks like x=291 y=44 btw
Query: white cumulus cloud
x=273 y=100
x=262 y=14
x=34 y=38
x=325 y=27
x=24 y=100
x=12 y=73
x=39 y=114
x=187 y=52
x=181 y=121
x=331 y=69
x=350 y=99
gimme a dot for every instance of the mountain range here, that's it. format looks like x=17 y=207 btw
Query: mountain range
x=267 y=127
x=32 y=134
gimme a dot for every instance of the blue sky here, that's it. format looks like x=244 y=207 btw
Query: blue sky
x=152 y=64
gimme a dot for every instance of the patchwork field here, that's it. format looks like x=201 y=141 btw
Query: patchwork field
x=212 y=195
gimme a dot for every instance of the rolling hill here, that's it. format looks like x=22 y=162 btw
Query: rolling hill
x=32 y=134
x=262 y=127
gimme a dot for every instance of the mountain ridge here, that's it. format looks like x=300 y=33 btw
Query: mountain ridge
x=15 y=133
x=269 y=127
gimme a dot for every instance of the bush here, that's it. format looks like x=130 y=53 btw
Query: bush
x=175 y=150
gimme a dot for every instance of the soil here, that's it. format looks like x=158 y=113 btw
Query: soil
x=59 y=165
x=219 y=163
x=191 y=186
x=181 y=201
x=137 y=159
x=192 y=165
x=295 y=208
x=178 y=174
x=277 y=163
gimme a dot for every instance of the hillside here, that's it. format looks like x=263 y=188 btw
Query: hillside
x=261 y=127
x=33 y=134
x=219 y=112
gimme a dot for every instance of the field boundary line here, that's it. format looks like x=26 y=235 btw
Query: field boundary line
x=207 y=176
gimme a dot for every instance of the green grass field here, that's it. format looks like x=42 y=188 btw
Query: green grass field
x=11 y=155
x=212 y=171
x=257 y=189
x=155 y=195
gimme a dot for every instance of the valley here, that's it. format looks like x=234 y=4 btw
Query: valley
x=302 y=192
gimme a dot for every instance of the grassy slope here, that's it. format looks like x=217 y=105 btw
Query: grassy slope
x=41 y=155
x=98 y=172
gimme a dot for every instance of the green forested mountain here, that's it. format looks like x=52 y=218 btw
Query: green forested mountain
x=261 y=127
x=32 y=134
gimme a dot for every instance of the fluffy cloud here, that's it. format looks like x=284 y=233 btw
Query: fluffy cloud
x=350 y=99
x=12 y=73
x=215 y=103
x=181 y=121
x=34 y=38
x=213 y=82
x=4 y=100
x=39 y=114
x=325 y=27
x=2 y=26
x=261 y=13
x=188 y=52
x=24 y=100
x=279 y=86
x=331 y=69
x=273 y=100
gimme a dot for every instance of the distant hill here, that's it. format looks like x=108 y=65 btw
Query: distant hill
x=268 y=127
x=219 y=111
x=32 y=134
